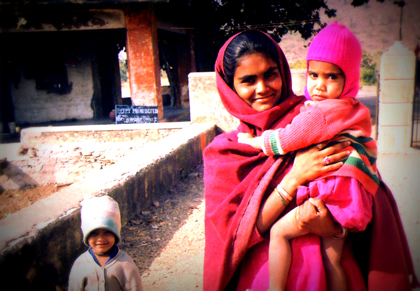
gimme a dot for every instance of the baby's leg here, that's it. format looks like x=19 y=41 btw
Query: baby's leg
x=332 y=250
x=280 y=253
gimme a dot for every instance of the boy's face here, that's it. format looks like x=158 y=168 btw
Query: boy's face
x=101 y=241
x=325 y=81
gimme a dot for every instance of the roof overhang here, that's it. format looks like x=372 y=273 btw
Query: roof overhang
x=46 y=2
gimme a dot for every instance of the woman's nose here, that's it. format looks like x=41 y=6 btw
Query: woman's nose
x=261 y=86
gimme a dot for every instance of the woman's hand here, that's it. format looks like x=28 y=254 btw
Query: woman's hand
x=314 y=217
x=310 y=163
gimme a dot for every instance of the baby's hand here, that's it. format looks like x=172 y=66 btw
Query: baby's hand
x=249 y=139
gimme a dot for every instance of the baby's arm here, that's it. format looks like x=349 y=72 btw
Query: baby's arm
x=331 y=250
x=314 y=124
x=248 y=139
x=294 y=136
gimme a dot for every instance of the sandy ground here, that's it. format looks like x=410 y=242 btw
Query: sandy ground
x=167 y=240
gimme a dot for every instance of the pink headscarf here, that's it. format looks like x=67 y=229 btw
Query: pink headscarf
x=250 y=118
x=337 y=45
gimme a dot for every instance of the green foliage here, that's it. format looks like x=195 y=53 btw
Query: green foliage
x=368 y=68
x=299 y=64
x=367 y=60
x=123 y=70
x=368 y=76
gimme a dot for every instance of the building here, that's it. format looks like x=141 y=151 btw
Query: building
x=59 y=58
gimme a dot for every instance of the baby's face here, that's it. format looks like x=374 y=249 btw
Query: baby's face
x=325 y=81
x=101 y=241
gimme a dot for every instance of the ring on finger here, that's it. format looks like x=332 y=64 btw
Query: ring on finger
x=327 y=160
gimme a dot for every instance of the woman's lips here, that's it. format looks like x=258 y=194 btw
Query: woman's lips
x=262 y=99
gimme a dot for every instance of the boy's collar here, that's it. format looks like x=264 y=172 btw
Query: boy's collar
x=113 y=253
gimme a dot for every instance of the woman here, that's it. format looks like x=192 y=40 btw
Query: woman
x=255 y=86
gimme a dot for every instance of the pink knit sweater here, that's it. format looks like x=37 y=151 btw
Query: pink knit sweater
x=318 y=122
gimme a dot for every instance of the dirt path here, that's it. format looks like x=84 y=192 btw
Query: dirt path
x=167 y=240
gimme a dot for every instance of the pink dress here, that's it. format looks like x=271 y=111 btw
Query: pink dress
x=350 y=204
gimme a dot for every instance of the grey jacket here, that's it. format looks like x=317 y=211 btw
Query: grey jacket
x=120 y=273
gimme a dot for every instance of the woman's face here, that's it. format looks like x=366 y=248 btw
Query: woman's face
x=258 y=82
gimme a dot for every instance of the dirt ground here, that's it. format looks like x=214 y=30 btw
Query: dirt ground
x=14 y=200
x=167 y=241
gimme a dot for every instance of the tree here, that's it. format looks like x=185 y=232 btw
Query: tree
x=368 y=68
x=123 y=70
x=219 y=19
x=216 y=20
x=272 y=16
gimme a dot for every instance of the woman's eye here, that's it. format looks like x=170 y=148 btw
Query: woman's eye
x=248 y=81
x=270 y=75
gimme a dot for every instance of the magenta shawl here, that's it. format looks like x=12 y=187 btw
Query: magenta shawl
x=233 y=172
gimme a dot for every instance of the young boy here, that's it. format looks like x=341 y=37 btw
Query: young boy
x=103 y=266
x=333 y=61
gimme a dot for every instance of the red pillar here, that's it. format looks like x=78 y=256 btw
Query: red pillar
x=143 y=56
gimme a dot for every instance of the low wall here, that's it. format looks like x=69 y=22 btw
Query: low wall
x=39 y=243
x=65 y=154
x=205 y=103
x=39 y=137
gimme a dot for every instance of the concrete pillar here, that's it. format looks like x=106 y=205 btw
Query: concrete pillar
x=143 y=56
x=397 y=162
x=184 y=68
x=396 y=99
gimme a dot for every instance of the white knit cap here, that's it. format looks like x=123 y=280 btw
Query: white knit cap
x=100 y=212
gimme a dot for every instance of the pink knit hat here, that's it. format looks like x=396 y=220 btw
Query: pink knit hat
x=336 y=44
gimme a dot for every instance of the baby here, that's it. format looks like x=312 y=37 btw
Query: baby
x=333 y=73
x=103 y=266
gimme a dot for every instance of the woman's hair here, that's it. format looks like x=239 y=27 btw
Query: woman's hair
x=247 y=43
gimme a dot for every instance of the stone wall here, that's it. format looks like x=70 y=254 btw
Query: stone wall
x=205 y=103
x=33 y=106
x=298 y=81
